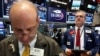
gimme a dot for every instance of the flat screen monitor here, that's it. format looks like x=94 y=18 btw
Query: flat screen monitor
x=70 y=17
x=42 y=11
x=89 y=18
x=6 y=4
x=76 y=4
x=90 y=6
x=56 y=14
x=1 y=25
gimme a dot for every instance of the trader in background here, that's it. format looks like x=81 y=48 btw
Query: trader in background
x=80 y=38
x=98 y=36
x=27 y=41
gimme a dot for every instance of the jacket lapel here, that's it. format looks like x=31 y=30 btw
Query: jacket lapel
x=40 y=43
x=73 y=38
x=16 y=48
x=85 y=37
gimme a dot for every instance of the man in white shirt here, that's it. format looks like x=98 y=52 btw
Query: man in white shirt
x=80 y=38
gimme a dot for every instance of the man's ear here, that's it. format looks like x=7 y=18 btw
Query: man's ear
x=38 y=20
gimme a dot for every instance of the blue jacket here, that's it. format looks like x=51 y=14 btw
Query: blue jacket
x=90 y=41
x=99 y=43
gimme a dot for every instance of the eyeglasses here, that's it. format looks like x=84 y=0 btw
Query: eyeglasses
x=81 y=16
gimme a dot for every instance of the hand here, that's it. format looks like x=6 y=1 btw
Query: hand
x=68 y=52
x=86 y=53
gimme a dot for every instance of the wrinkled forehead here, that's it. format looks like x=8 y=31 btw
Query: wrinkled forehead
x=80 y=13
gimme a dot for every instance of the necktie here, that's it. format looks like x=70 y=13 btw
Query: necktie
x=26 y=51
x=78 y=38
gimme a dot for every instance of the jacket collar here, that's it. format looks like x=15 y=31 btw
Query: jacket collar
x=40 y=43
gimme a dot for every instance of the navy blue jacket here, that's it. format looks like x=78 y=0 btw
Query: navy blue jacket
x=90 y=41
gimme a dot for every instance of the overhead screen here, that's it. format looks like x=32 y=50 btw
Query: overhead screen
x=6 y=4
x=1 y=25
x=42 y=11
x=90 y=6
x=89 y=18
x=76 y=4
x=71 y=18
x=56 y=14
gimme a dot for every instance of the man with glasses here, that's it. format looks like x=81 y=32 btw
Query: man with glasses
x=80 y=41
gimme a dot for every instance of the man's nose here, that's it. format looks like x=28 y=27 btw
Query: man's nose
x=25 y=32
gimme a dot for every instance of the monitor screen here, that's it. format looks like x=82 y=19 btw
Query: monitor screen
x=76 y=4
x=1 y=31
x=42 y=11
x=56 y=14
x=70 y=17
x=89 y=18
x=1 y=25
x=90 y=6
x=6 y=4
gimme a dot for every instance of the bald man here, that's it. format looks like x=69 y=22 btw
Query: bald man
x=25 y=21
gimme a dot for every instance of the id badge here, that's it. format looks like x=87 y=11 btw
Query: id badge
x=37 y=52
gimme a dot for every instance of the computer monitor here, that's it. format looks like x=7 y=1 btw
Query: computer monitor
x=89 y=18
x=1 y=25
x=70 y=17
x=42 y=11
x=92 y=7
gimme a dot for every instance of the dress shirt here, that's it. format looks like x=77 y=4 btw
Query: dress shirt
x=81 y=37
x=31 y=44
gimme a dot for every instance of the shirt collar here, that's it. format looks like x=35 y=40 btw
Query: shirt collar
x=81 y=28
x=32 y=43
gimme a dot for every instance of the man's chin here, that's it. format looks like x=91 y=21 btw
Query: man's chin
x=25 y=42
